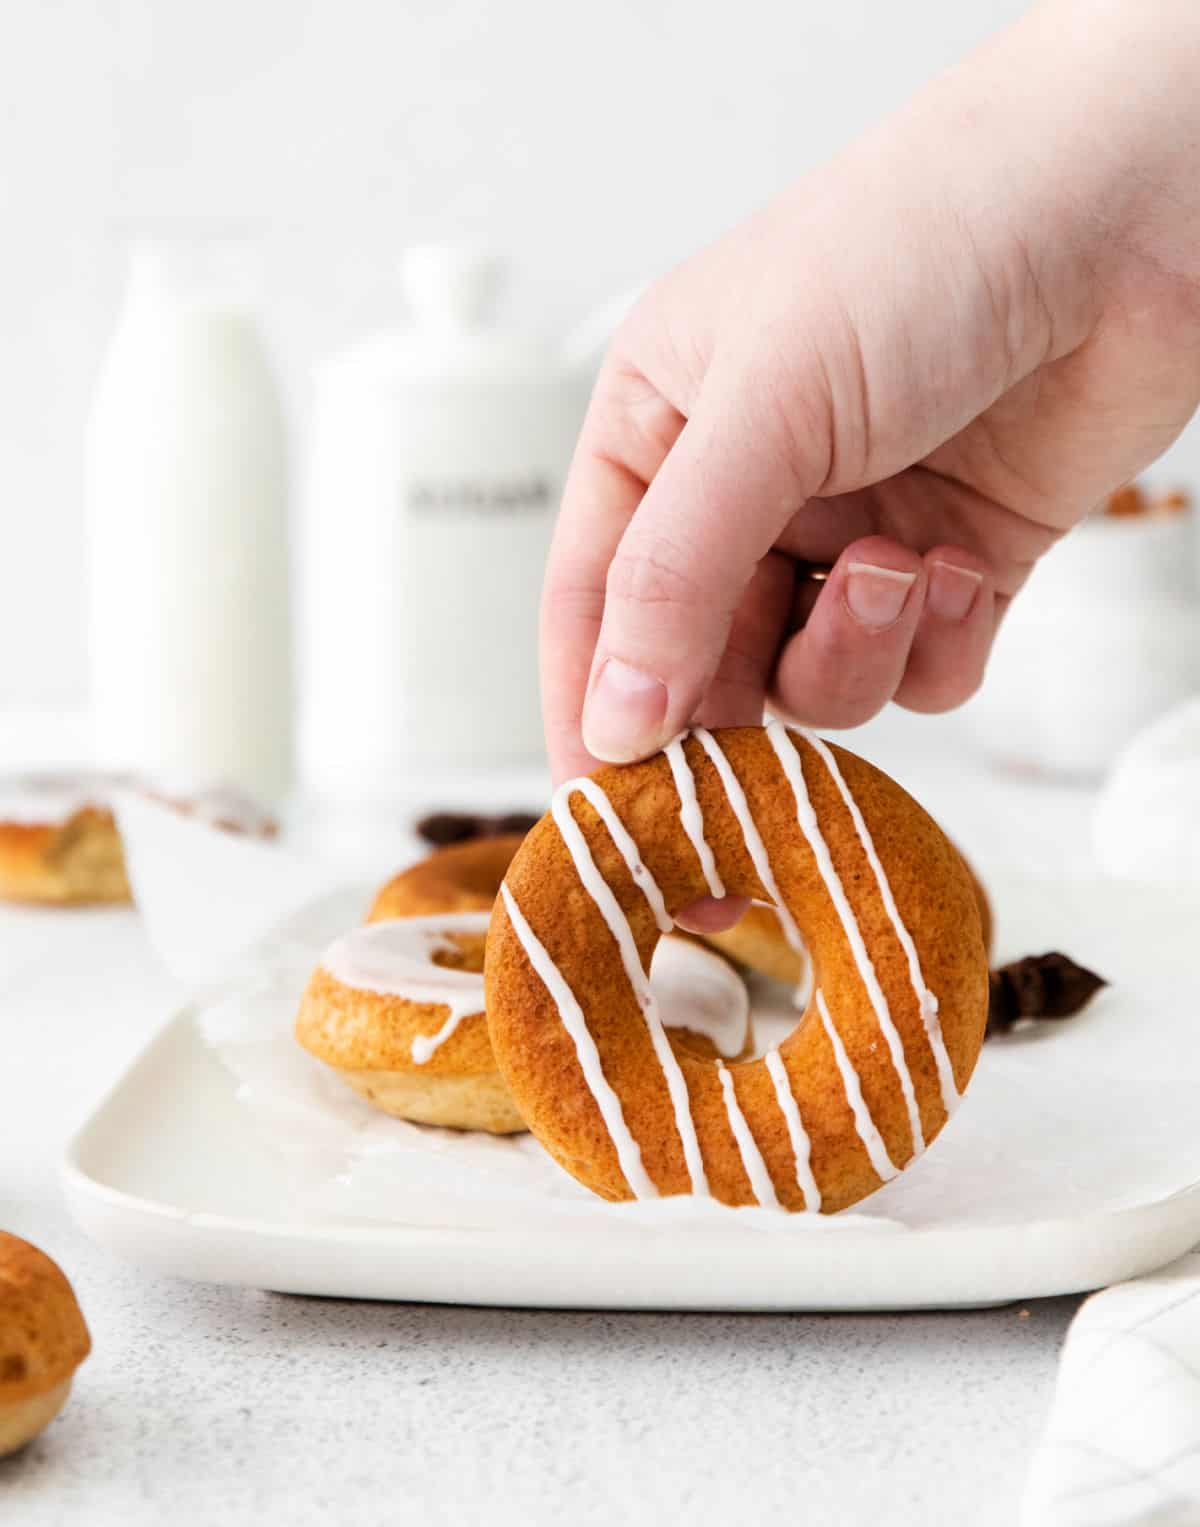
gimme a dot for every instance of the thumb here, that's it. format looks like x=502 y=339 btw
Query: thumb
x=685 y=562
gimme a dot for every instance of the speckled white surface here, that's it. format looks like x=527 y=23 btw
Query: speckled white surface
x=205 y=1404
x=210 y=1404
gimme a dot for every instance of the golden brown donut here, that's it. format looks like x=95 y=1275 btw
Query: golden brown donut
x=397 y=1009
x=43 y=1339
x=885 y=905
x=59 y=843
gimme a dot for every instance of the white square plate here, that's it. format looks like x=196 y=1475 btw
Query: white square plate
x=172 y=1170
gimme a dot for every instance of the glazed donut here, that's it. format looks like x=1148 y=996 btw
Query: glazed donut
x=43 y=1339
x=888 y=1041
x=59 y=844
x=397 y=1009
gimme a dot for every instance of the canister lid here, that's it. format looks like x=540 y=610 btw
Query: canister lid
x=452 y=293
x=450 y=287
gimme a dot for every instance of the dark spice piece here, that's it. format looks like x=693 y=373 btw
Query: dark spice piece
x=1039 y=986
x=441 y=828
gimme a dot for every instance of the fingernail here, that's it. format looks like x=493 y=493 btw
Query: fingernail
x=952 y=590
x=624 y=713
x=876 y=595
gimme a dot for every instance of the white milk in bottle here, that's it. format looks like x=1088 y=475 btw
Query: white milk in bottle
x=186 y=487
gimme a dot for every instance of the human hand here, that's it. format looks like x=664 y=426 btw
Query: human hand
x=922 y=363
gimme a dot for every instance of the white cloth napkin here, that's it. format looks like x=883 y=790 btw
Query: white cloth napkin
x=1122 y=1446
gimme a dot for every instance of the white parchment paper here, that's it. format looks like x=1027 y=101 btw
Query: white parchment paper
x=1061 y=1121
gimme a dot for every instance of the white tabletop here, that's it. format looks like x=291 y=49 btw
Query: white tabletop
x=211 y=1404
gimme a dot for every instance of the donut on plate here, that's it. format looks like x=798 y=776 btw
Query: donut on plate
x=883 y=902
x=59 y=843
x=397 y=1009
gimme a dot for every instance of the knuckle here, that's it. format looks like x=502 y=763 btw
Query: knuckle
x=657 y=573
x=785 y=407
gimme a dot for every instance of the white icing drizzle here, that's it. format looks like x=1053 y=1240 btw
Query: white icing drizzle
x=690 y=815
x=618 y=925
x=863 y=1122
x=395 y=959
x=789 y=758
x=629 y=1153
x=424 y=1045
x=797 y=1134
x=926 y=1000
x=755 y=846
x=756 y=1168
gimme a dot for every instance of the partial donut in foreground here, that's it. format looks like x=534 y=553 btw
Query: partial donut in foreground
x=884 y=905
x=397 y=1009
x=43 y=1339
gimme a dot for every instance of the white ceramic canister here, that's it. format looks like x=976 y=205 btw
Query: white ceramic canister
x=439 y=454
x=186 y=490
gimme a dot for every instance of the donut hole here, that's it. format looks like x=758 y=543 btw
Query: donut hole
x=465 y=952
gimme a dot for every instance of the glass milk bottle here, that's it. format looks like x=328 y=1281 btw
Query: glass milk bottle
x=188 y=560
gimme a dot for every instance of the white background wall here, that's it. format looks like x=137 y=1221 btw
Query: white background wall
x=597 y=142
